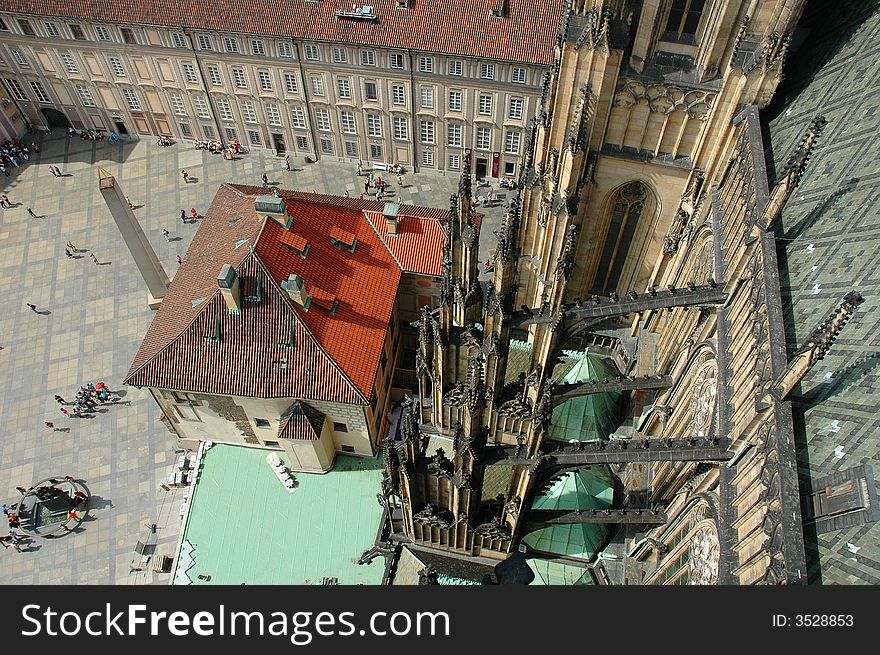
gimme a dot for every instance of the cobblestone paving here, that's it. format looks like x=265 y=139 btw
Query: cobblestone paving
x=831 y=241
x=96 y=317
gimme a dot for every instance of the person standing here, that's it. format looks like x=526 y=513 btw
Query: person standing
x=166 y=234
x=33 y=308
x=68 y=253
x=265 y=180
x=360 y=168
x=185 y=176
x=94 y=259
x=60 y=400
x=31 y=212
x=179 y=260
x=287 y=162
x=183 y=216
x=193 y=213
x=72 y=247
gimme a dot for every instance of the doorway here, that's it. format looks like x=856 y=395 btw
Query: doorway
x=55 y=118
x=120 y=127
x=278 y=140
x=482 y=168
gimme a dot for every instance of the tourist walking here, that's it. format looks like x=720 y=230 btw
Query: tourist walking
x=166 y=234
x=69 y=253
x=265 y=180
x=360 y=168
x=287 y=162
x=60 y=400
x=183 y=216
x=4 y=200
x=193 y=213
x=185 y=176
x=72 y=247
x=33 y=308
x=31 y=212
x=94 y=259
x=179 y=260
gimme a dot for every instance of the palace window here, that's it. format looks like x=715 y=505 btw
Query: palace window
x=483 y=140
x=312 y=52
x=238 y=76
x=455 y=67
x=257 y=47
x=511 y=143
x=318 y=86
x=205 y=42
x=201 y=106
x=177 y=105
x=322 y=119
x=265 y=80
x=454 y=162
x=368 y=58
x=348 y=122
x=453 y=135
x=248 y=112
x=427 y=97
x=376 y=154
x=518 y=75
x=344 y=87
x=485 y=104
x=20 y=58
x=426 y=131
x=254 y=136
x=374 y=125
x=51 y=30
x=351 y=148
x=290 y=83
x=103 y=34
x=273 y=116
x=396 y=60
x=40 y=92
x=16 y=90
x=214 y=75
x=284 y=49
x=85 y=96
x=118 y=68
x=128 y=36
x=327 y=146
x=302 y=142
x=371 y=92
x=131 y=99
x=225 y=109
x=487 y=71
x=298 y=117
x=426 y=64
x=401 y=129
x=26 y=27
x=189 y=73
x=340 y=55
x=69 y=63
x=177 y=39
x=230 y=44
x=516 y=108
x=455 y=101
x=76 y=31
x=398 y=94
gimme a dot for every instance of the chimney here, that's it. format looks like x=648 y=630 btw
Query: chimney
x=227 y=280
x=275 y=208
x=296 y=289
x=392 y=223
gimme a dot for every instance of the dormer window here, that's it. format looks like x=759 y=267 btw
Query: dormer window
x=342 y=240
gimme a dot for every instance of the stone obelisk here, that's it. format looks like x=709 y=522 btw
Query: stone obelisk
x=144 y=256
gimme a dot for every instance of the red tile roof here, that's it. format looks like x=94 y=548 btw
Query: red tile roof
x=301 y=421
x=525 y=34
x=418 y=245
x=252 y=356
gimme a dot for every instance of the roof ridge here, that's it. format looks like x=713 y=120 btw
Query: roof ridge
x=382 y=240
x=286 y=300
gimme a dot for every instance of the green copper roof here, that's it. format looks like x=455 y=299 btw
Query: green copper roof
x=244 y=527
x=588 y=418
x=588 y=488
x=556 y=573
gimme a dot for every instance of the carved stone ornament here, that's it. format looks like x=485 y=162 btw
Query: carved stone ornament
x=703 y=391
x=704 y=556
x=663 y=98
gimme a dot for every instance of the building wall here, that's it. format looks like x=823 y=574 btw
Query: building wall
x=180 y=84
x=12 y=124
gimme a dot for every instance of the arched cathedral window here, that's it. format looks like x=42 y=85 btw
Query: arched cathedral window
x=627 y=208
x=683 y=20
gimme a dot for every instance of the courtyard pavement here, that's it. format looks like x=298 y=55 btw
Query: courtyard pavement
x=94 y=318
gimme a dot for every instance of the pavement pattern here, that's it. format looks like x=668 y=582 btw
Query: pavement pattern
x=95 y=315
x=830 y=243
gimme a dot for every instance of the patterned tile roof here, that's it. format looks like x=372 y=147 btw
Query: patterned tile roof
x=301 y=421
x=526 y=33
x=417 y=247
x=273 y=348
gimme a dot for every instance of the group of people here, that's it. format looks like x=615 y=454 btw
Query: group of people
x=86 y=400
x=164 y=141
x=87 y=135
x=217 y=148
x=13 y=153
